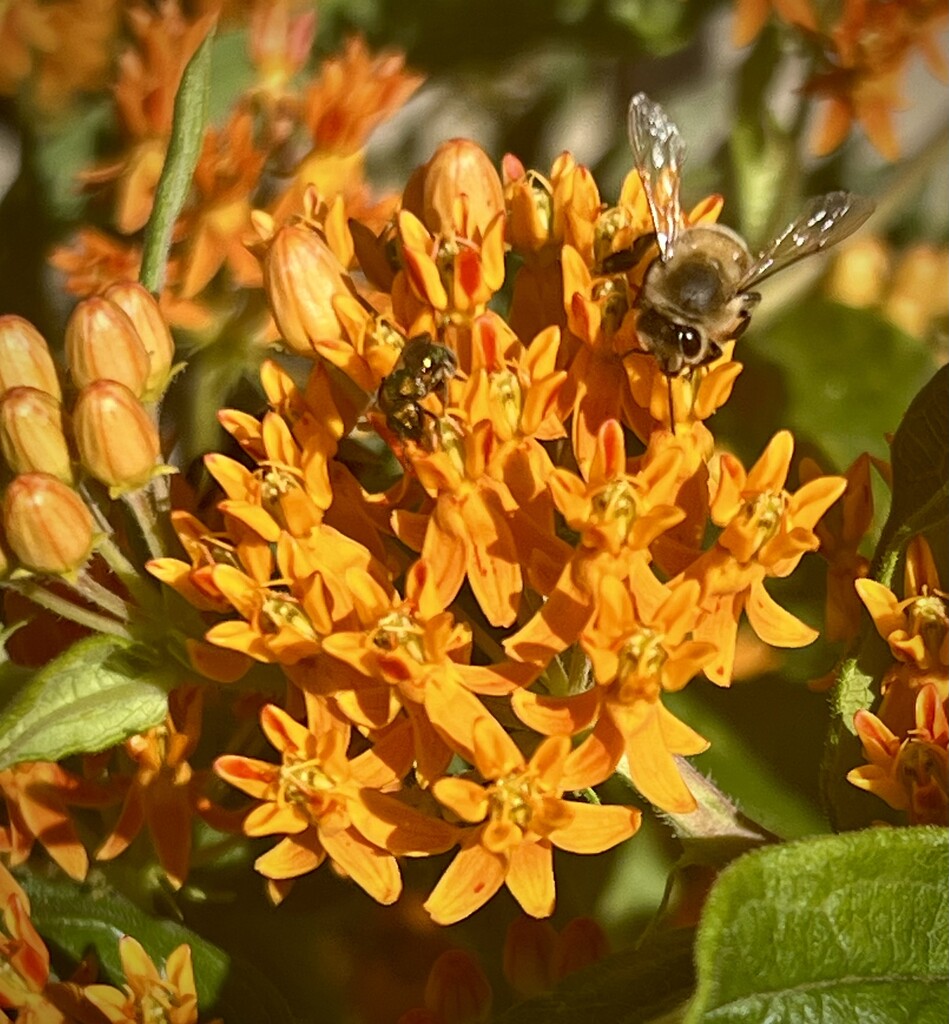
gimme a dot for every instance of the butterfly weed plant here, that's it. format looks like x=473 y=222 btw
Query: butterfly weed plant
x=414 y=642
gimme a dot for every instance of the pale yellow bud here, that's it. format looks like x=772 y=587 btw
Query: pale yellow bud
x=460 y=169
x=117 y=439
x=103 y=344
x=302 y=276
x=47 y=524
x=31 y=434
x=141 y=308
x=24 y=358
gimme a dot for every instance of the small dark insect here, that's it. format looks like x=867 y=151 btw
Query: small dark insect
x=424 y=368
x=697 y=293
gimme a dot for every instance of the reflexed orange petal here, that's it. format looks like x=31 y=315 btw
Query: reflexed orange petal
x=557 y=716
x=652 y=769
x=596 y=828
x=255 y=778
x=774 y=624
x=292 y=857
x=369 y=867
x=770 y=472
x=399 y=828
x=282 y=731
x=274 y=819
x=530 y=877
x=471 y=879
x=495 y=753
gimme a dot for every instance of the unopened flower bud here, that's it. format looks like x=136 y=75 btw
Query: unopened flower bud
x=47 y=524
x=141 y=308
x=24 y=358
x=461 y=168
x=102 y=344
x=529 y=949
x=31 y=434
x=117 y=440
x=457 y=990
x=302 y=275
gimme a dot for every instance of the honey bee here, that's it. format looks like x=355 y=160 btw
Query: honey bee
x=697 y=293
x=424 y=367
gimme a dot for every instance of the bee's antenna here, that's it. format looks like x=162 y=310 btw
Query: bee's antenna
x=672 y=411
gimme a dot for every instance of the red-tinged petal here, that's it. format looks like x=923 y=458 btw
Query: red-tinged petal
x=731 y=483
x=879 y=743
x=131 y=820
x=53 y=828
x=272 y=819
x=292 y=857
x=369 y=867
x=557 y=716
x=530 y=877
x=471 y=879
x=255 y=778
x=168 y=816
x=466 y=798
x=881 y=783
x=595 y=829
x=774 y=624
x=283 y=732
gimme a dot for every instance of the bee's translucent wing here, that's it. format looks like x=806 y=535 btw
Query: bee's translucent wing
x=658 y=152
x=824 y=221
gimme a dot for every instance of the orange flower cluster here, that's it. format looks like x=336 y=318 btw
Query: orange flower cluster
x=865 y=54
x=279 y=138
x=906 y=740
x=531 y=578
x=26 y=985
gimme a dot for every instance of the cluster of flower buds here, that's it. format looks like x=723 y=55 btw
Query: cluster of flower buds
x=119 y=354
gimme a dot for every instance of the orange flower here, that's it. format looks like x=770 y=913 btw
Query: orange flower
x=617 y=514
x=213 y=227
x=908 y=773
x=149 y=995
x=519 y=816
x=916 y=629
x=872 y=44
x=24 y=960
x=766 y=530
x=162 y=792
x=751 y=15
x=638 y=646
x=410 y=652
x=326 y=805
x=36 y=794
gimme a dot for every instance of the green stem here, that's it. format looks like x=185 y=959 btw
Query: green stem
x=184 y=148
x=68 y=610
x=93 y=592
x=142 y=506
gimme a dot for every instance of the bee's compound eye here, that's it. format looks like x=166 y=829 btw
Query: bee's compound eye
x=690 y=341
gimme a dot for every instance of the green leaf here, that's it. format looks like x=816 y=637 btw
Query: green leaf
x=184 y=148
x=93 y=696
x=72 y=918
x=840 y=378
x=920 y=458
x=836 y=929
x=632 y=987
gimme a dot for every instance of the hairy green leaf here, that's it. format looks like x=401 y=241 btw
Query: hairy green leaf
x=834 y=929
x=93 y=696
x=74 y=918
